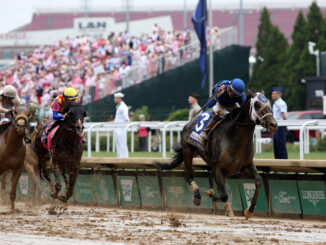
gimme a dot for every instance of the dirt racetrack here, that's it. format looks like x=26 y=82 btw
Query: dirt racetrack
x=51 y=224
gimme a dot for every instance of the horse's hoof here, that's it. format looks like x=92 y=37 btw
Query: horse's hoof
x=230 y=213
x=248 y=214
x=62 y=199
x=210 y=192
x=228 y=209
x=197 y=201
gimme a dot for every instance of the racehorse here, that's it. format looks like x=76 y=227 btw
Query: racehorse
x=12 y=147
x=66 y=151
x=229 y=149
x=30 y=162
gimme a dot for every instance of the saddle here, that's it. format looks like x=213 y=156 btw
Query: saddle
x=48 y=135
x=203 y=120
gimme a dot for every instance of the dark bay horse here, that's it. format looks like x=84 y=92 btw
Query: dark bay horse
x=13 y=148
x=230 y=149
x=66 y=152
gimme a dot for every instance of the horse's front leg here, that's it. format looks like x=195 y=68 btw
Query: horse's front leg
x=251 y=172
x=188 y=155
x=14 y=180
x=57 y=186
x=4 y=182
x=220 y=182
x=69 y=185
x=211 y=192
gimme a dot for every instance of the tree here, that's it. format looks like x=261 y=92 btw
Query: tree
x=143 y=110
x=271 y=49
x=179 y=115
x=264 y=30
x=313 y=31
x=294 y=72
x=271 y=69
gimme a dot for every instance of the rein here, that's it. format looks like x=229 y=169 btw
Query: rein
x=17 y=118
x=243 y=123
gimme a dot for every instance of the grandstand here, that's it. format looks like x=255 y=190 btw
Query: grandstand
x=49 y=21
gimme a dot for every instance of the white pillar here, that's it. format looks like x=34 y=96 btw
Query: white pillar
x=108 y=141
x=132 y=140
x=149 y=141
x=97 y=142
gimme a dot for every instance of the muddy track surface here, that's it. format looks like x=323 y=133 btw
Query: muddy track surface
x=57 y=224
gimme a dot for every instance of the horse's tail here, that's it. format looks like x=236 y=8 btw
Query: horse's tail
x=176 y=160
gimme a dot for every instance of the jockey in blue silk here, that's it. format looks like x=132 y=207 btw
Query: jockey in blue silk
x=225 y=94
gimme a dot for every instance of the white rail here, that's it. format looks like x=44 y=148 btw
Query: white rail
x=107 y=128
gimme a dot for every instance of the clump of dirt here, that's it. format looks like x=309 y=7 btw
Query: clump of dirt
x=56 y=210
x=174 y=221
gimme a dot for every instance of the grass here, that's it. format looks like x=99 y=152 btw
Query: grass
x=293 y=153
x=131 y=154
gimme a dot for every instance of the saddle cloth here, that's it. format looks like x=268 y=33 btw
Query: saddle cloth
x=203 y=120
x=47 y=140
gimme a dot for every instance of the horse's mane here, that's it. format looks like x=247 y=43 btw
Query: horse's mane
x=235 y=111
x=66 y=108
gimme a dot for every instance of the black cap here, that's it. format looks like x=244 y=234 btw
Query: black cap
x=195 y=95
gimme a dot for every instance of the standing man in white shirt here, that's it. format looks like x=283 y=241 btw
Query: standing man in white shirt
x=120 y=134
x=280 y=113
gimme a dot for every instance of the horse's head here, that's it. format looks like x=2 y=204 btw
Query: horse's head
x=20 y=117
x=261 y=111
x=74 y=117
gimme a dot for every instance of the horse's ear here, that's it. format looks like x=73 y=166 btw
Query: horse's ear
x=251 y=93
x=84 y=114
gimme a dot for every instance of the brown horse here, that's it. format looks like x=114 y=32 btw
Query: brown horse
x=229 y=150
x=13 y=149
x=66 y=152
x=30 y=163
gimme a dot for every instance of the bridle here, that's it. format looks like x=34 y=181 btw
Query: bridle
x=79 y=127
x=259 y=117
x=15 y=119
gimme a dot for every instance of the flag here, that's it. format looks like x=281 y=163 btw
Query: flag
x=199 y=19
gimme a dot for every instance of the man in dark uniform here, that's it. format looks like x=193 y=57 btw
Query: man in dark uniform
x=279 y=113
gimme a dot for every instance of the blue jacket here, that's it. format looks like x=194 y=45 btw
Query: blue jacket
x=225 y=99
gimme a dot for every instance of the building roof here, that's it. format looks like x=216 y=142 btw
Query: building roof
x=284 y=18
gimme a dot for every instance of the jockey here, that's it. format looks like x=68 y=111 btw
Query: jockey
x=69 y=96
x=34 y=110
x=9 y=100
x=225 y=94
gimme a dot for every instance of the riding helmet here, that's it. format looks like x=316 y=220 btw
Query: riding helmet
x=70 y=94
x=9 y=91
x=32 y=107
x=237 y=86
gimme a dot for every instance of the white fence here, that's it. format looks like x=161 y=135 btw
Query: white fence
x=107 y=129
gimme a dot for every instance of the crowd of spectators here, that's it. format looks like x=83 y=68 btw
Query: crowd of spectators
x=95 y=68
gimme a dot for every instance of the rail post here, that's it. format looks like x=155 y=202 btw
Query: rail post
x=302 y=129
x=89 y=138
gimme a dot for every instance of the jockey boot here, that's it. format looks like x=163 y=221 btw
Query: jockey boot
x=210 y=125
x=45 y=134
